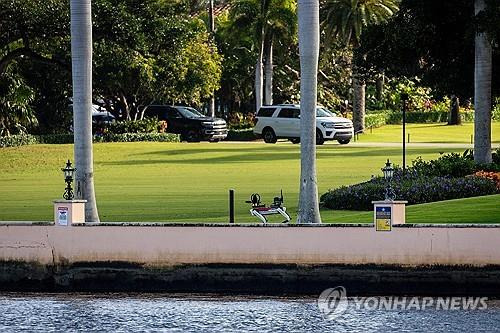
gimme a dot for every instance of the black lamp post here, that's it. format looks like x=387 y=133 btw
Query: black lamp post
x=68 y=178
x=388 y=171
x=404 y=99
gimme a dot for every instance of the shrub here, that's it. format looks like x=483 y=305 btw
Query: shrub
x=413 y=188
x=241 y=135
x=238 y=121
x=17 y=140
x=495 y=113
x=27 y=139
x=56 y=138
x=134 y=137
x=452 y=165
x=147 y=125
x=376 y=119
x=418 y=117
x=494 y=176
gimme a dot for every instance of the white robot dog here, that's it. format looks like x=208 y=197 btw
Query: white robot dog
x=260 y=210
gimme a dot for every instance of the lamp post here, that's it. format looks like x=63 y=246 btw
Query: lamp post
x=388 y=171
x=68 y=171
x=404 y=100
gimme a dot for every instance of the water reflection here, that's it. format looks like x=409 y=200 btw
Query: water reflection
x=195 y=313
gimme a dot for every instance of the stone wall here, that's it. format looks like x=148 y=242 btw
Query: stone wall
x=239 y=258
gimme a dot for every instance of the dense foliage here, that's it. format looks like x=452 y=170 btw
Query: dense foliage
x=28 y=139
x=413 y=188
x=434 y=41
x=144 y=51
x=451 y=176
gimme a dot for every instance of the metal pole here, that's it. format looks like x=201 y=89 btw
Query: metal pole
x=231 y=206
x=404 y=132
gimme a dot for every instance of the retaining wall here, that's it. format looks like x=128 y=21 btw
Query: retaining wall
x=449 y=259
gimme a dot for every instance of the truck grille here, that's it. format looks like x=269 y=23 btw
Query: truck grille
x=342 y=125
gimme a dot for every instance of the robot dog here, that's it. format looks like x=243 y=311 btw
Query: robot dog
x=260 y=210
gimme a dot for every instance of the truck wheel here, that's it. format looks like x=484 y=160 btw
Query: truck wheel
x=319 y=137
x=192 y=136
x=344 y=141
x=269 y=136
x=295 y=140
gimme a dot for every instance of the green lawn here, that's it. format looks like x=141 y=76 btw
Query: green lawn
x=153 y=181
x=470 y=210
x=438 y=133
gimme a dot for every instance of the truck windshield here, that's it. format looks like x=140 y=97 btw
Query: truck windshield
x=322 y=112
x=190 y=112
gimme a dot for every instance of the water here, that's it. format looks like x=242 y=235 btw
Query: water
x=215 y=313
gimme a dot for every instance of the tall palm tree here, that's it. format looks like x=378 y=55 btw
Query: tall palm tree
x=308 y=12
x=482 y=93
x=270 y=20
x=81 y=56
x=345 y=20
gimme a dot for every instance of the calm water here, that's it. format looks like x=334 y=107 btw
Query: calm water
x=213 y=313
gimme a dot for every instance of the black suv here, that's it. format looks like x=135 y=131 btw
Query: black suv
x=188 y=122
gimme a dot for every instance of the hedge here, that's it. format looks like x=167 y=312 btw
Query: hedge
x=134 y=137
x=444 y=178
x=27 y=139
x=241 y=135
x=414 y=189
x=148 y=125
x=377 y=119
x=18 y=140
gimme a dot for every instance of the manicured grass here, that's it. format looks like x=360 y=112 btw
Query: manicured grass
x=421 y=133
x=469 y=210
x=154 y=181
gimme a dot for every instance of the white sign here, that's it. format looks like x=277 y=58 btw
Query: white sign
x=62 y=215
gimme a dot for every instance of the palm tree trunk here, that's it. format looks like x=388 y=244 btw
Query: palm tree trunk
x=379 y=87
x=211 y=105
x=308 y=13
x=259 y=80
x=482 y=94
x=81 y=55
x=268 y=71
x=454 y=117
x=358 y=103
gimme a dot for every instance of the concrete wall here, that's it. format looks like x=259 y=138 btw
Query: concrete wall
x=177 y=245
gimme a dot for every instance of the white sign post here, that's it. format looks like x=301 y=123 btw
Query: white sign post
x=68 y=212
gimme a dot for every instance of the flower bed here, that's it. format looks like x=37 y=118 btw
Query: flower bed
x=451 y=176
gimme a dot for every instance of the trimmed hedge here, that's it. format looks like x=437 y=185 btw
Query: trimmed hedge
x=28 y=139
x=18 y=140
x=147 y=125
x=241 y=135
x=134 y=137
x=377 y=119
x=413 y=188
x=55 y=138
x=444 y=178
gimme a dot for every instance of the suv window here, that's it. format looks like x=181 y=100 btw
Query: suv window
x=289 y=113
x=156 y=111
x=266 y=112
x=172 y=113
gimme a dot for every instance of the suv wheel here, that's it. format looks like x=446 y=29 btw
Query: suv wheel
x=319 y=137
x=191 y=136
x=269 y=136
x=295 y=140
x=344 y=141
